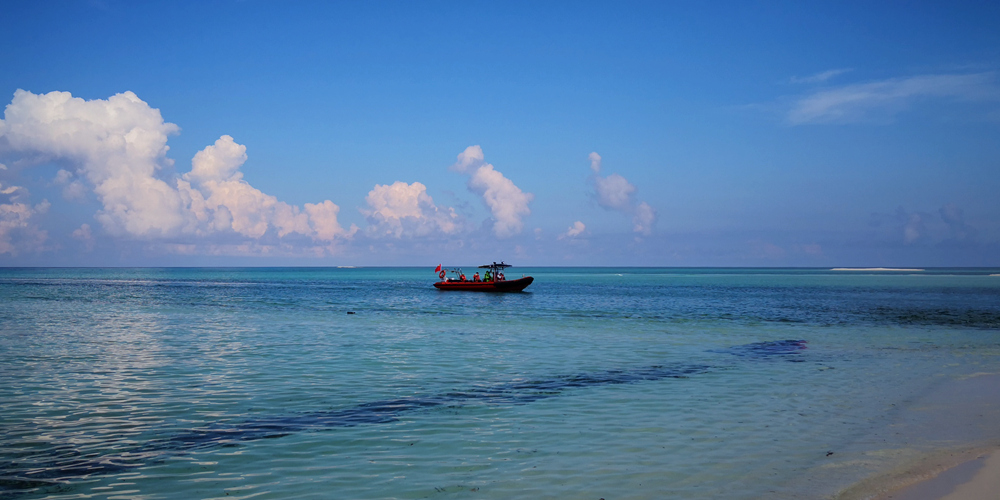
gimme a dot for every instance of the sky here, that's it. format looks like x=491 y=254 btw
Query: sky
x=259 y=133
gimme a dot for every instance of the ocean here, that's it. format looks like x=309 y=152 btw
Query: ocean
x=614 y=383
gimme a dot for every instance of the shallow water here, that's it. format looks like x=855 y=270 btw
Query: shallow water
x=596 y=382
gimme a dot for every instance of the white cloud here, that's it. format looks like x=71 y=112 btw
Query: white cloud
x=472 y=157
x=85 y=235
x=14 y=193
x=63 y=176
x=614 y=192
x=403 y=209
x=18 y=232
x=218 y=162
x=820 y=77
x=119 y=147
x=221 y=200
x=866 y=101
x=595 y=162
x=323 y=220
x=507 y=203
x=575 y=230
x=73 y=189
x=118 y=143
x=642 y=221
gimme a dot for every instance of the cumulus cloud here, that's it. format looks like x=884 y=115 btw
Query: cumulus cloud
x=63 y=176
x=642 y=221
x=323 y=220
x=221 y=200
x=595 y=162
x=614 y=192
x=85 y=235
x=402 y=209
x=73 y=189
x=575 y=230
x=468 y=160
x=119 y=144
x=507 y=203
x=119 y=147
x=18 y=231
x=866 y=101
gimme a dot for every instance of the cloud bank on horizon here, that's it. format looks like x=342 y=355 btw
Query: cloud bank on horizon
x=118 y=146
x=116 y=150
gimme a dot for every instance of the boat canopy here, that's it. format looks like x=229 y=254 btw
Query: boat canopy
x=494 y=265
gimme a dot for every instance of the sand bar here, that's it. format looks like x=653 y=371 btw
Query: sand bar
x=873 y=269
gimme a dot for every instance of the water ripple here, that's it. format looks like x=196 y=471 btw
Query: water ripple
x=64 y=462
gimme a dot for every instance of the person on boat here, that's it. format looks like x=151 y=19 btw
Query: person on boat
x=501 y=278
x=461 y=277
x=475 y=277
x=487 y=277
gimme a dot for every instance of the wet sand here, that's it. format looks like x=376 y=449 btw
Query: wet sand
x=960 y=458
x=977 y=479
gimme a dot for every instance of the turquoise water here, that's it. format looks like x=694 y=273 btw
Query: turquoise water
x=595 y=383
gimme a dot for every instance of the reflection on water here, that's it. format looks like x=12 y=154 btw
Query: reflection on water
x=623 y=383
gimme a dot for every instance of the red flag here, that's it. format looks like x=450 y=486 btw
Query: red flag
x=438 y=268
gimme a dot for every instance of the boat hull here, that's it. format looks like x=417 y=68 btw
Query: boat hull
x=479 y=286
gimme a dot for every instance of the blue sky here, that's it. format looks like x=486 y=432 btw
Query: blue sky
x=413 y=133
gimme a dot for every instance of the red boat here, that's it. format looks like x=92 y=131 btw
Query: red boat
x=494 y=280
